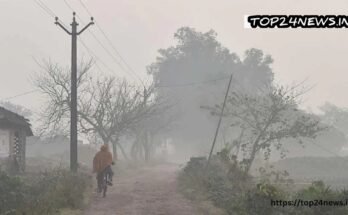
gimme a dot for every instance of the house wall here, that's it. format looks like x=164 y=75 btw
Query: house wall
x=22 y=137
x=4 y=143
x=7 y=142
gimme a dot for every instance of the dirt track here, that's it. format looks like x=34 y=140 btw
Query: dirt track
x=146 y=191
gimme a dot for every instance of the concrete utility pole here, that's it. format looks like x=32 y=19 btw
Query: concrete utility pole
x=219 y=123
x=73 y=103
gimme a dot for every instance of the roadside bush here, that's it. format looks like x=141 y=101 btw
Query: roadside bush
x=11 y=193
x=43 y=193
x=235 y=192
x=221 y=183
x=317 y=192
x=258 y=200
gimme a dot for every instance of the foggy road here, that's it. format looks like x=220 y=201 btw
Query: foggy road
x=147 y=191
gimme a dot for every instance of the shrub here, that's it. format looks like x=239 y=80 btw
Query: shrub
x=221 y=182
x=235 y=192
x=319 y=191
x=258 y=200
x=11 y=193
x=43 y=193
x=57 y=189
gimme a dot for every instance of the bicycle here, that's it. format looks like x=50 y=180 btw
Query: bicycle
x=105 y=182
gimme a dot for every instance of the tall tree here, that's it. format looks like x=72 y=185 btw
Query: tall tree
x=195 y=71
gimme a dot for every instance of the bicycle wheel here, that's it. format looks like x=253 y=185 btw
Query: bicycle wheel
x=105 y=185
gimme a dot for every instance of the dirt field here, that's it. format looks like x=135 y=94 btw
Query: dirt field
x=146 y=191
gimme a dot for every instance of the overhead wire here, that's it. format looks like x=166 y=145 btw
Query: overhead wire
x=45 y=8
x=117 y=61
x=112 y=44
x=92 y=53
x=51 y=13
x=192 y=83
x=19 y=95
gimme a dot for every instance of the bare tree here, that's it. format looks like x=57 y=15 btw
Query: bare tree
x=265 y=119
x=107 y=106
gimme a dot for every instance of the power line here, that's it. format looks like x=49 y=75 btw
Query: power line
x=19 y=95
x=90 y=51
x=45 y=8
x=112 y=45
x=118 y=53
x=108 y=52
x=326 y=150
x=192 y=83
x=100 y=43
x=69 y=6
x=48 y=11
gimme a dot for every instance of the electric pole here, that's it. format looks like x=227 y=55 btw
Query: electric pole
x=73 y=94
x=219 y=123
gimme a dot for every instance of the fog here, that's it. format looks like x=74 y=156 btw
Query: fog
x=139 y=29
x=152 y=88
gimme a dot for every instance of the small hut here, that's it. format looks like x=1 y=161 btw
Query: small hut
x=14 y=129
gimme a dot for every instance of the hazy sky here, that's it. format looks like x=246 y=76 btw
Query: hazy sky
x=139 y=28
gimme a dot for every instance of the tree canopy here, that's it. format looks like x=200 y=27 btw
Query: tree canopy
x=195 y=72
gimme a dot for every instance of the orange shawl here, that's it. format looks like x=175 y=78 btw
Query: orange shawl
x=102 y=159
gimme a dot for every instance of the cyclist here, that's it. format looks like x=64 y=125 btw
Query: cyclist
x=102 y=165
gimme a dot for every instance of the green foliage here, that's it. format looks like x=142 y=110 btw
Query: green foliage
x=319 y=191
x=271 y=175
x=258 y=200
x=235 y=192
x=45 y=193
x=11 y=193
x=221 y=182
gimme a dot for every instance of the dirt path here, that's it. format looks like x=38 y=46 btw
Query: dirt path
x=147 y=191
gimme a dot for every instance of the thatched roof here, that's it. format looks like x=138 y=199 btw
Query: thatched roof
x=10 y=119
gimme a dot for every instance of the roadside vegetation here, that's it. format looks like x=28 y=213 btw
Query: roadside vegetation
x=231 y=190
x=49 y=192
x=262 y=122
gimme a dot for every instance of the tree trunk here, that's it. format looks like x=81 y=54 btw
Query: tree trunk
x=239 y=142
x=251 y=159
x=256 y=144
x=137 y=151
x=134 y=150
x=114 y=150
x=146 y=147
x=123 y=151
x=115 y=143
